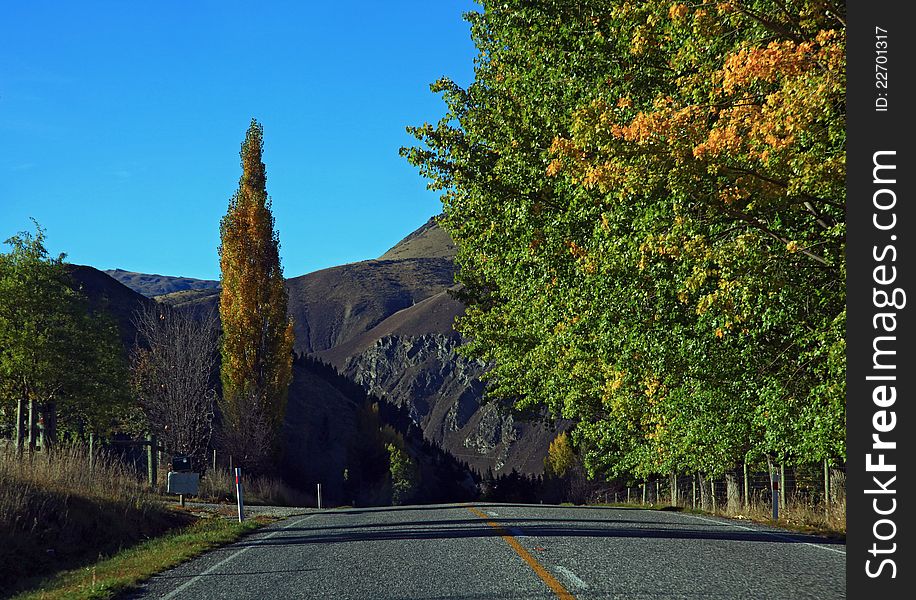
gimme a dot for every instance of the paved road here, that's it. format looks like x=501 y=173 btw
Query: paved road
x=490 y=551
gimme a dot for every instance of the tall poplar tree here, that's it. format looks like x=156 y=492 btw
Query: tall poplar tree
x=257 y=333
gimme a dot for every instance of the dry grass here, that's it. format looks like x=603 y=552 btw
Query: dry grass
x=219 y=485
x=56 y=511
x=797 y=514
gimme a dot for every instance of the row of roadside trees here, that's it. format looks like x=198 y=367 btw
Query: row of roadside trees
x=649 y=204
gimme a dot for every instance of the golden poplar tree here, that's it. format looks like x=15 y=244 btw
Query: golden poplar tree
x=257 y=333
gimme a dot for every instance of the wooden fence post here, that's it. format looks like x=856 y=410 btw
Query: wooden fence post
x=826 y=483
x=151 y=460
x=32 y=426
x=747 y=495
x=20 y=424
x=782 y=484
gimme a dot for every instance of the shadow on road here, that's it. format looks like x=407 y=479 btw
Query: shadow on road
x=537 y=528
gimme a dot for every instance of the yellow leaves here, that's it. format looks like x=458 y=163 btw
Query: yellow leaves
x=554 y=168
x=258 y=336
x=575 y=249
x=782 y=60
x=586 y=262
x=731 y=194
x=651 y=386
x=792 y=247
x=639 y=42
x=677 y=12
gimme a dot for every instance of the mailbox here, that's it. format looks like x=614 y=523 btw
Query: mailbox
x=181 y=463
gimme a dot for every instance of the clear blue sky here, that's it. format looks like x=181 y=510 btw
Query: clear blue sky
x=121 y=124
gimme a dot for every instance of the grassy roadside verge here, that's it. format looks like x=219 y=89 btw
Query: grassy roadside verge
x=127 y=568
x=787 y=523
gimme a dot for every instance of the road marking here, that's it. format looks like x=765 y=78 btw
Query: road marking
x=571 y=577
x=772 y=533
x=538 y=569
x=492 y=514
x=174 y=593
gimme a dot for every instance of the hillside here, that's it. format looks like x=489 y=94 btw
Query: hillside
x=386 y=324
x=106 y=293
x=429 y=241
x=151 y=285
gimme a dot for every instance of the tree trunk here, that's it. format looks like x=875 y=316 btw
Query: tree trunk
x=49 y=416
x=705 y=500
x=732 y=493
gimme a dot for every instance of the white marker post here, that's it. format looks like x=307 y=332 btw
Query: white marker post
x=238 y=493
x=319 y=496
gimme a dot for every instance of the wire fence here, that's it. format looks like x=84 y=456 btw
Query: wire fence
x=810 y=493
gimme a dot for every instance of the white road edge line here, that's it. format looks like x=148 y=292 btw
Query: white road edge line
x=764 y=531
x=571 y=577
x=197 y=577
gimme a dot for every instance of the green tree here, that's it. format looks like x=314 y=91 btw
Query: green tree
x=560 y=457
x=648 y=201
x=257 y=340
x=404 y=471
x=60 y=362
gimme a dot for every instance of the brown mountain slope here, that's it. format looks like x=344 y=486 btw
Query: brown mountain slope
x=435 y=314
x=151 y=285
x=106 y=293
x=334 y=305
x=429 y=241
x=387 y=325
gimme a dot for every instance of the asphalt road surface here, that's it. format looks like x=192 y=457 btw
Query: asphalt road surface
x=490 y=551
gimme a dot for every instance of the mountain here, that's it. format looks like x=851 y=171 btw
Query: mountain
x=387 y=324
x=429 y=241
x=331 y=435
x=410 y=357
x=108 y=294
x=157 y=285
x=325 y=432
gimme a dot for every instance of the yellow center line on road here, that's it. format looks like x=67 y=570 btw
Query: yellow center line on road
x=532 y=562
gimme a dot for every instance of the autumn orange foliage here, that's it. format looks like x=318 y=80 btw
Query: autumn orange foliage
x=257 y=333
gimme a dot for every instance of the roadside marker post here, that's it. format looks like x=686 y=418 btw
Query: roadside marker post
x=238 y=493
x=319 y=496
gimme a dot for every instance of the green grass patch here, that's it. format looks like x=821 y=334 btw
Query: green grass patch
x=124 y=570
